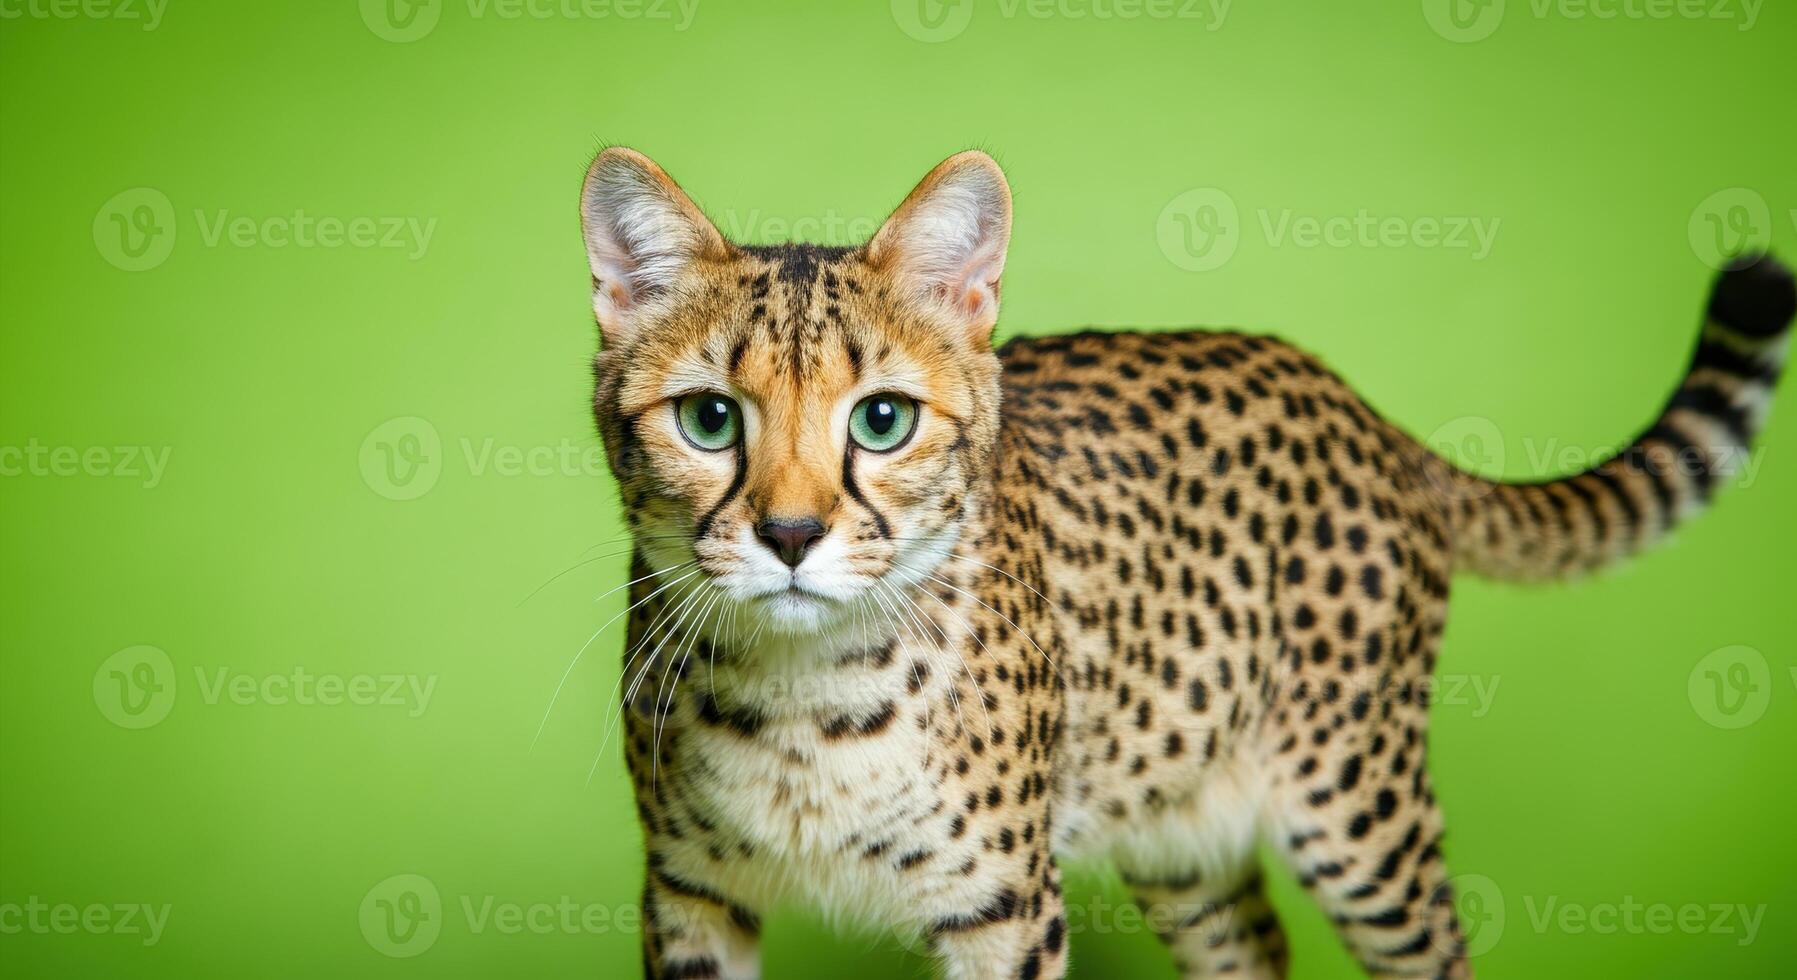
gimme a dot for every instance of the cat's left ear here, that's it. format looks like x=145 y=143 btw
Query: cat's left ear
x=946 y=242
x=643 y=235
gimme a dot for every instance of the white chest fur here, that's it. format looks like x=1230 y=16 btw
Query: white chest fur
x=816 y=774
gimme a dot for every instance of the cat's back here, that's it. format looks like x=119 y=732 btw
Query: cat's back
x=1216 y=518
x=1133 y=403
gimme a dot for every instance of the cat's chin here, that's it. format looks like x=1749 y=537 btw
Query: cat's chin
x=795 y=612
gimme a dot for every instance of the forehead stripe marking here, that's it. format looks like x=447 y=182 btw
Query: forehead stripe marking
x=853 y=348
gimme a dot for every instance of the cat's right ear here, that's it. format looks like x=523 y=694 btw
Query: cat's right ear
x=946 y=242
x=642 y=236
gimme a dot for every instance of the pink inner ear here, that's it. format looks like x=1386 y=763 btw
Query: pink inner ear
x=620 y=296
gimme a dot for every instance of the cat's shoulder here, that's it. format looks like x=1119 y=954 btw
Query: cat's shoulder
x=1131 y=353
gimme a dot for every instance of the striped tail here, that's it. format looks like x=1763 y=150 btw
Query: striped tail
x=1546 y=530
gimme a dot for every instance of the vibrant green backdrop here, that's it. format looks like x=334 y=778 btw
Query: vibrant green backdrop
x=342 y=304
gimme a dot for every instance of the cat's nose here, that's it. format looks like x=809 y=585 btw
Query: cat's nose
x=790 y=537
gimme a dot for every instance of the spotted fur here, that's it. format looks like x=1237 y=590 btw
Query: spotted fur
x=1154 y=598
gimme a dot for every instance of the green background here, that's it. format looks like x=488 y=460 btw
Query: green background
x=1594 y=776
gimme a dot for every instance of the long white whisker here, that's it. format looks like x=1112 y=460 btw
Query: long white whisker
x=974 y=684
x=659 y=715
x=966 y=558
x=676 y=620
x=976 y=561
x=963 y=660
x=760 y=625
x=614 y=720
x=729 y=631
x=898 y=636
x=953 y=698
x=994 y=612
x=583 y=647
x=626 y=585
x=551 y=580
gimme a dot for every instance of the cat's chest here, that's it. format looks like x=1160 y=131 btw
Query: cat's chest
x=822 y=806
x=809 y=785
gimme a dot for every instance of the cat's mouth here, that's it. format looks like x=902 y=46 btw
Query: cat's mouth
x=798 y=588
x=797 y=608
x=799 y=593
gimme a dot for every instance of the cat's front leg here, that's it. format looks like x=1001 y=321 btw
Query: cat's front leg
x=1021 y=932
x=691 y=932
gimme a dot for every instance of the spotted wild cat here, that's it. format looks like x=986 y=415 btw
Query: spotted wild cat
x=914 y=619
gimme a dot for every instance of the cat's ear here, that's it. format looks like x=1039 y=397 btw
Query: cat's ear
x=642 y=236
x=946 y=242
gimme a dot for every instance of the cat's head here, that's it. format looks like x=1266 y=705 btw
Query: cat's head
x=798 y=427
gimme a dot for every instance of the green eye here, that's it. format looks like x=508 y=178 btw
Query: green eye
x=709 y=420
x=882 y=422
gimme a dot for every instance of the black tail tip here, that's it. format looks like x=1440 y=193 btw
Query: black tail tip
x=1756 y=296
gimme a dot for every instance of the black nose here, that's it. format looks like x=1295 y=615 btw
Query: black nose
x=790 y=537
